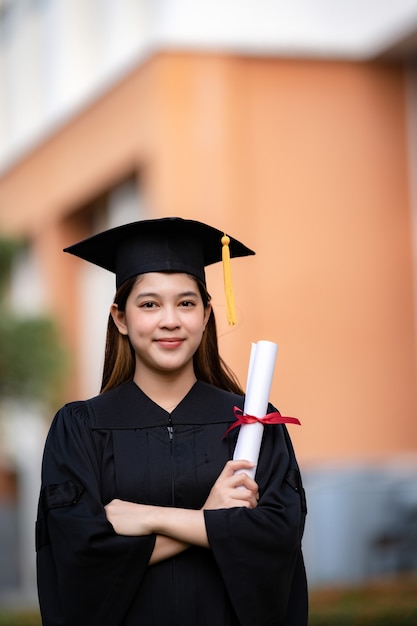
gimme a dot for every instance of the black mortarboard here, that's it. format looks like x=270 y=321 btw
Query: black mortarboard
x=169 y=244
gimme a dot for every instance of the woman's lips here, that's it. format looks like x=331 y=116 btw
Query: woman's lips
x=170 y=343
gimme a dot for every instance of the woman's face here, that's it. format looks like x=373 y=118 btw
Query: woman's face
x=164 y=319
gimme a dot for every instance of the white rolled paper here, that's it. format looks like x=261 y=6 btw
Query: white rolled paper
x=260 y=374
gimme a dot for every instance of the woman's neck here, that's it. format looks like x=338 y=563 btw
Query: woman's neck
x=165 y=389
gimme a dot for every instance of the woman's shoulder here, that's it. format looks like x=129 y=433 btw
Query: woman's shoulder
x=103 y=407
x=84 y=410
x=71 y=417
x=76 y=409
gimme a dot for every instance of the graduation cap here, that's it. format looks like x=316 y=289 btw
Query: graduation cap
x=169 y=244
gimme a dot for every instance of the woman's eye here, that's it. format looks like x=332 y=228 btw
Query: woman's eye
x=187 y=303
x=148 y=305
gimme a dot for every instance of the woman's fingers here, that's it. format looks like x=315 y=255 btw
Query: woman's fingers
x=128 y=518
x=235 y=466
x=233 y=487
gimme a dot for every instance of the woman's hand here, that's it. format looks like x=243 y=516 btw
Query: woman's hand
x=233 y=489
x=129 y=518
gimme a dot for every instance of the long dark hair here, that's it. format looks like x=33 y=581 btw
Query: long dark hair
x=119 y=356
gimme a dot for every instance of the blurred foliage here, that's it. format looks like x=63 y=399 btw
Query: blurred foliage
x=20 y=618
x=383 y=603
x=9 y=248
x=32 y=360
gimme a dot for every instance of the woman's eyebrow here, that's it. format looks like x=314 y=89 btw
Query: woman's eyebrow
x=147 y=294
x=187 y=293
x=155 y=294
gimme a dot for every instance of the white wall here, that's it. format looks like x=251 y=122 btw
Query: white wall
x=56 y=55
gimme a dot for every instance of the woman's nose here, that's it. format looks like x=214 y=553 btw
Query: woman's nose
x=169 y=317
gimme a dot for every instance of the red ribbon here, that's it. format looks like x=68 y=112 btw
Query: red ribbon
x=269 y=418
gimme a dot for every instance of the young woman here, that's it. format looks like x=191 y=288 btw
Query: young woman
x=143 y=517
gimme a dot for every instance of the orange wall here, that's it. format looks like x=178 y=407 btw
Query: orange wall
x=304 y=161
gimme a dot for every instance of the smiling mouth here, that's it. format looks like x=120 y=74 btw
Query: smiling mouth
x=170 y=343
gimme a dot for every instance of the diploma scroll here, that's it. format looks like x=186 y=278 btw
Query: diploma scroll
x=260 y=374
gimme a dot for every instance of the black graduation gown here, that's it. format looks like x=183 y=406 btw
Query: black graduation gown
x=123 y=445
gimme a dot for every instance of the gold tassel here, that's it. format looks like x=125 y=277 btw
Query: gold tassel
x=228 y=285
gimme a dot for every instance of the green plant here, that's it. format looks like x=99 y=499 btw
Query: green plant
x=32 y=360
x=382 y=603
x=24 y=618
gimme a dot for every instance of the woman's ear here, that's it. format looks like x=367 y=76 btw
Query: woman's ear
x=119 y=319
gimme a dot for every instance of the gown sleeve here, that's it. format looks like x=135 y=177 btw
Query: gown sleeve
x=87 y=574
x=258 y=551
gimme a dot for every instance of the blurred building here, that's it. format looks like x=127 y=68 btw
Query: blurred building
x=292 y=126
